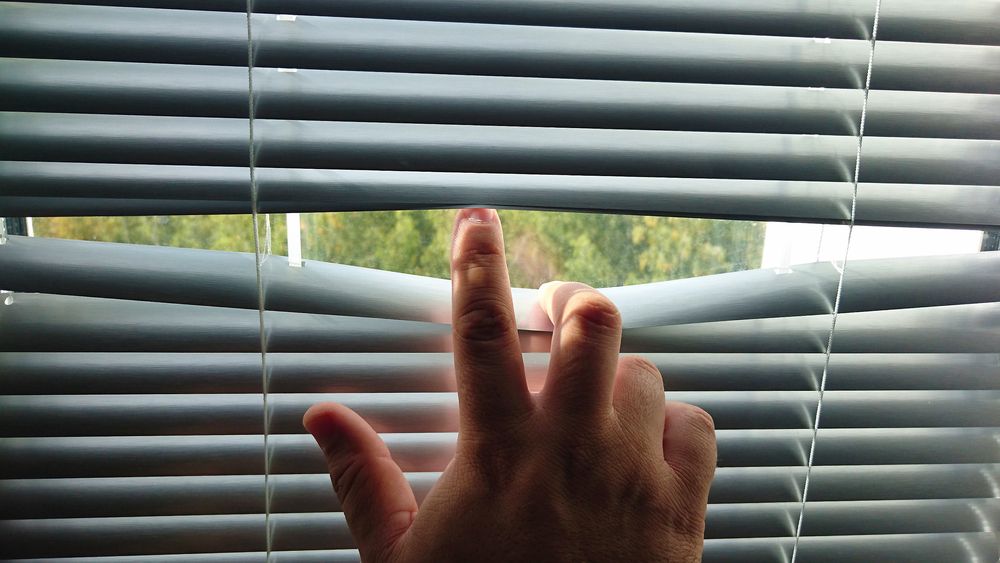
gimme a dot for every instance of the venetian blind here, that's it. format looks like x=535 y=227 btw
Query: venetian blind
x=135 y=379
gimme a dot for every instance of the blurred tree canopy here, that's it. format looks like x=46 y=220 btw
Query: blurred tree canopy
x=214 y=232
x=602 y=250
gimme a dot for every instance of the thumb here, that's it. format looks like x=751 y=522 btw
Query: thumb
x=376 y=498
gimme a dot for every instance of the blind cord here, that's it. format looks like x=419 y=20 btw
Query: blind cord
x=268 y=535
x=840 y=285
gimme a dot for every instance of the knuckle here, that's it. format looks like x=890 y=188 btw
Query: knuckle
x=577 y=460
x=494 y=461
x=484 y=320
x=697 y=473
x=698 y=467
x=575 y=456
x=595 y=312
x=643 y=370
x=701 y=422
x=345 y=476
x=640 y=364
x=483 y=255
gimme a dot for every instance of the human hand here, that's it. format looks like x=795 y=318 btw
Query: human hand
x=596 y=467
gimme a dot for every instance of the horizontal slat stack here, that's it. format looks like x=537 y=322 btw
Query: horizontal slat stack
x=131 y=412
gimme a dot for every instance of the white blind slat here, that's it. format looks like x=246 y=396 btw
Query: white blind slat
x=967 y=21
x=205 y=277
x=238 y=494
x=34 y=373
x=41 y=189
x=188 y=36
x=485 y=148
x=129 y=326
x=917 y=548
x=83 y=415
x=217 y=91
x=124 y=456
x=243 y=532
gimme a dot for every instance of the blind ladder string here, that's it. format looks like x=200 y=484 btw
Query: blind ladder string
x=268 y=532
x=840 y=284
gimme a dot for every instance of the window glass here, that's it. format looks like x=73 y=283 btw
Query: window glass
x=212 y=232
x=599 y=249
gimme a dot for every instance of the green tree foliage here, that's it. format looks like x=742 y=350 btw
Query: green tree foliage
x=212 y=232
x=602 y=250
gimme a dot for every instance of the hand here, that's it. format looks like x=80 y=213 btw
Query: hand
x=596 y=467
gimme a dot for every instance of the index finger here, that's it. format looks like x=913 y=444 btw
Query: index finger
x=491 y=385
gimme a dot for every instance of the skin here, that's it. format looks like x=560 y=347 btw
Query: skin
x=595 y=467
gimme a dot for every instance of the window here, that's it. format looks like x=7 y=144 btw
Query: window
x=212 y=254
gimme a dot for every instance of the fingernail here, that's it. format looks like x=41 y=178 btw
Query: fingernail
x=324 y=432
x=477 y=215
x=320 y=426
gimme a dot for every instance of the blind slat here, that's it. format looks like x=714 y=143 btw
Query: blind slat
x=39 y=323
x=480 y=148
x=17 y=206
x=31 y=373
x=298 y=556
x=969 y=21
x=218 y=91
x=916 y=548
x=228 y=279
x=929 y=329
x=236 y=494
x=171 y=534
x=73 y=188
x=123 y=456
x=200 y=37
x=86 y=415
